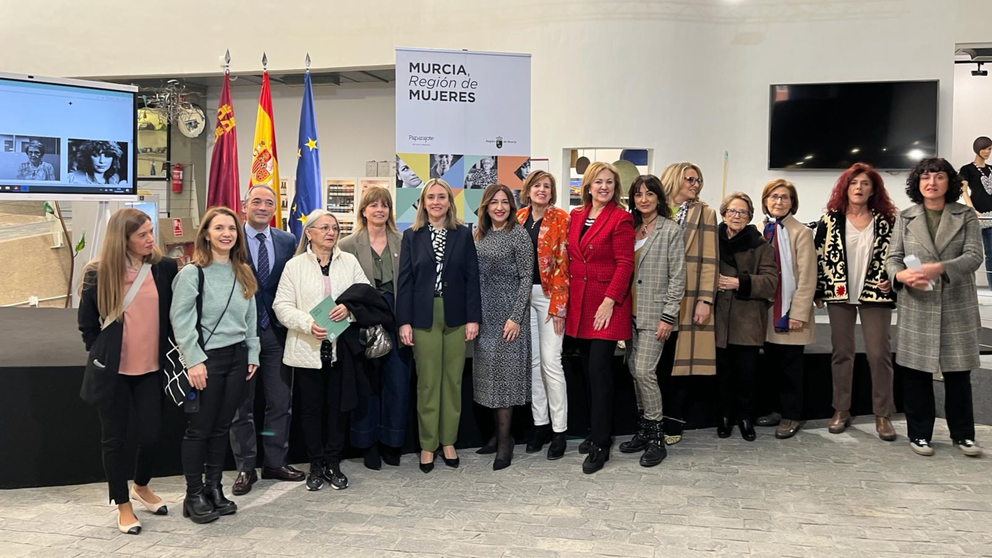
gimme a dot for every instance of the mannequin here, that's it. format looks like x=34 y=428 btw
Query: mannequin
x=976 y=188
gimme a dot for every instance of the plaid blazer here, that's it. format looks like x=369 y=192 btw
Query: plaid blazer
x=938 y=330
x=660 y=277
x=601 y=263
x=695 y=350
x=552 y=256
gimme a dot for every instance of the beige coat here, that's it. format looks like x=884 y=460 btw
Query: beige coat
x=358 y=245
x=804 y=268
x=695 y=349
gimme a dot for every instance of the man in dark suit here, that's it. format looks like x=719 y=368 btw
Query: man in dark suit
x=268 y=251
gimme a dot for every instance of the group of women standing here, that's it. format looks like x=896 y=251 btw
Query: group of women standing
x=691 y=297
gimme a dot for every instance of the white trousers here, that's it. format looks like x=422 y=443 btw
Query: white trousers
x=547 y=375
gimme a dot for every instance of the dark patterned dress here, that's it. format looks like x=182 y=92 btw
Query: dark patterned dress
x=501 y=370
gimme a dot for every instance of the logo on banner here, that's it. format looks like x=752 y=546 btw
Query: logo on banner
x=499 y=142
x=263 y=164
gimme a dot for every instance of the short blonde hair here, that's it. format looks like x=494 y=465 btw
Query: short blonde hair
x=369 y=196
x=673 y=177
x=737 y=196
x=422 y=219
x=591 y=173
x=775 y=184
x=532 y=179
x=311 y=222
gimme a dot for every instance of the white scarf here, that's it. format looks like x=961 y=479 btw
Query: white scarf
x=785 y=257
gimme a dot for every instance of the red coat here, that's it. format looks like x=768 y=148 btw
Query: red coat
x=600 y=265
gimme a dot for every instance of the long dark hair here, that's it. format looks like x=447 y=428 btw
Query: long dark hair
x=653 y=184
x=485 y=221
x=879 y=202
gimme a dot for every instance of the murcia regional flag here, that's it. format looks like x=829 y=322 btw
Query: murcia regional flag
x=264 y=164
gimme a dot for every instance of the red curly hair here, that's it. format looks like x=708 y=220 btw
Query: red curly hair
x=879 y=201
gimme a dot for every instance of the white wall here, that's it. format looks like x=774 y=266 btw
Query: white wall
x=972 y=112
x=689 y=79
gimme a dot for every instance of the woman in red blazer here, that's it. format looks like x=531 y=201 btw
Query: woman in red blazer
x=601 y=263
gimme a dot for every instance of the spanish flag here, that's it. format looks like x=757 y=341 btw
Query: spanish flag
x=264 y=163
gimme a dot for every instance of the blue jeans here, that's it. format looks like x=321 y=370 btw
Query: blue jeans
x=381 y=417
x=987 y=243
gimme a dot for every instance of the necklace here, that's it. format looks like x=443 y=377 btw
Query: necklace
x=644 y=229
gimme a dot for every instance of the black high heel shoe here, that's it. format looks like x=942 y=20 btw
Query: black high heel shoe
x=454 y=462
x=503 y=457
x=489 y=448
x=199 y=509
x=428 y=467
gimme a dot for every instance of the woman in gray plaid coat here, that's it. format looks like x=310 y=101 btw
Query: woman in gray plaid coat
x=935 y=251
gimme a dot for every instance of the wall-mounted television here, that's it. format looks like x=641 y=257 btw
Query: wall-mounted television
x=887 y=124
x=66 y=139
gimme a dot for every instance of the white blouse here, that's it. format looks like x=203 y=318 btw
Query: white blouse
x=859 y=247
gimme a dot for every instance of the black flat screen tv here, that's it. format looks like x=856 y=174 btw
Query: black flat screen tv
x=889 y=125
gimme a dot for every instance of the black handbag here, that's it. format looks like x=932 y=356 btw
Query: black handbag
x=104 y=360
x=176 y=382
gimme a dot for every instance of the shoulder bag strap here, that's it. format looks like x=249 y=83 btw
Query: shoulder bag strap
x=132 y=291
x=199 y=302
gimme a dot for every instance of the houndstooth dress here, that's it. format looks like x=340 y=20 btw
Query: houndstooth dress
x=501 y=371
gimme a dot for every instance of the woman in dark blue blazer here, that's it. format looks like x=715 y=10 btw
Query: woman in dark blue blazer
x=438 y=309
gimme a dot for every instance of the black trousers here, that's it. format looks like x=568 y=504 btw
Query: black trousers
x=921 y=411
x=597 y=361
x=674 y=389
x=325 y=427
x=735 y=367
x=277 y=387
x=205 y=443
x=785 y=365
x=145 y=393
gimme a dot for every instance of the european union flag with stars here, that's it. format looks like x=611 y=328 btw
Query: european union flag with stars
x=307 y=196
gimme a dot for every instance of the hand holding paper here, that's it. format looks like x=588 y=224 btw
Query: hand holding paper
x=321 y=315
x=914 y=264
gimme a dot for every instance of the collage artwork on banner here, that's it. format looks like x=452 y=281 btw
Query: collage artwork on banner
x=463 y=117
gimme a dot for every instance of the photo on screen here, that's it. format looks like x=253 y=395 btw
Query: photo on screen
x=482 y=174
x=98 y=162
x=30 y=158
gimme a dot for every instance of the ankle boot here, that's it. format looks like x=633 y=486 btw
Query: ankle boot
x=597 y=458
x=839 y=422
x=557 y=448
x=372 y=458
x=198 y=508
x=640 y=439
x=747 y=430
x=215 y=494
x=725 y=428
x=655 y=451
x=390 y=455
x=539 y=436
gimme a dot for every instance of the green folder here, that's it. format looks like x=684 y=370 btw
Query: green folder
x=320 y=316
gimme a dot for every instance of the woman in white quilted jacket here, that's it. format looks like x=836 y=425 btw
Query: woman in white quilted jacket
x=318 y=270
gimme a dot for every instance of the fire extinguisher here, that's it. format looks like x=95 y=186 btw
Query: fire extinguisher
x=177 y=178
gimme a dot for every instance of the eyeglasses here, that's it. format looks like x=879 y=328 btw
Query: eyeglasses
x=737 y=212
x=325 y=228
x=780 y=198
x=694 y=180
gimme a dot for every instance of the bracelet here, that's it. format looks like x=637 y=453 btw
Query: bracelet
x=706 y=302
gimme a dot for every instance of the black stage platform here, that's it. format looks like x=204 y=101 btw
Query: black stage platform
x=48 y=436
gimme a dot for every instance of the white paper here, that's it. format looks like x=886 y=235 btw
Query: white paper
x=913 y=262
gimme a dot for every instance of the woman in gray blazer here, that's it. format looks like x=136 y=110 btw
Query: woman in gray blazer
x=378 y=425
x=657 y=290
x=935 y=251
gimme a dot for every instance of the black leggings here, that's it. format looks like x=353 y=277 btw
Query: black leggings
x=145 y=392
x=205 y=442
x=597 y=361
x=921 y=411
x=735 y=374
x=674 y=389
x=320 y=393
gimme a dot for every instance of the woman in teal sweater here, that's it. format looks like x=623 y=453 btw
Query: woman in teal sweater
x=221 y=354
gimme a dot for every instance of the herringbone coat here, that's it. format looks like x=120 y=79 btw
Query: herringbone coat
x=695 y=349
x=938 y=330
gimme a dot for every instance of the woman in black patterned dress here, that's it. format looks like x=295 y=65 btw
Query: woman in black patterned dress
x=501 y=365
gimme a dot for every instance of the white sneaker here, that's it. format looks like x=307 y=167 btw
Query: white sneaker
x=921 y=447
x=968 y=447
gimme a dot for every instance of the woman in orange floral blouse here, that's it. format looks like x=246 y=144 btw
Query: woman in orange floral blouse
x=548 y=229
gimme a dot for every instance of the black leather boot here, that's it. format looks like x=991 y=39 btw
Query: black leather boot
x=584 y=446
x=640 y=439
x=557 y=448
x=198 y=508
x=725 y=428
x=747 y=429
x=215 y=494
x=596 y=459
x=539 y=436
x=655 y=451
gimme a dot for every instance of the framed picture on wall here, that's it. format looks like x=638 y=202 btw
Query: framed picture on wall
x=153 y=144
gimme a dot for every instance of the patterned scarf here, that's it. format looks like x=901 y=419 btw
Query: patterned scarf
x=778 y=237
x=438 y=239
x=681 y=213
